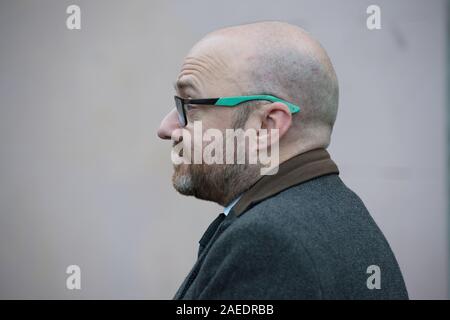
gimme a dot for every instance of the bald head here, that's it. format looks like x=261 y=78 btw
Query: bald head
x=265 y=58
x=273 y=58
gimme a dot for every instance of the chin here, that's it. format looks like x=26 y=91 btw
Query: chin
x=182 y=182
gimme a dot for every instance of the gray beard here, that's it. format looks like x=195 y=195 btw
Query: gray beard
x=218 y=183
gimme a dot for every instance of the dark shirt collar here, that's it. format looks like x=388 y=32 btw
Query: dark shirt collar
x=296 y=170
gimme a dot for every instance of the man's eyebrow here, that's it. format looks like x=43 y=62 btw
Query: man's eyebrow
x=180 y=85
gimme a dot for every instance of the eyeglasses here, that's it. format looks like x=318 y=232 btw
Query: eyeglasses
x=225 y=102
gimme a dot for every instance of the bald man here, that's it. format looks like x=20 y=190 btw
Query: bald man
x=296 y=232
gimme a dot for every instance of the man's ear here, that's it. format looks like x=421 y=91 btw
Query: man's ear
x=277 y=117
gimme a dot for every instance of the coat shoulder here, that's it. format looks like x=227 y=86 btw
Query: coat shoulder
x=326 y=227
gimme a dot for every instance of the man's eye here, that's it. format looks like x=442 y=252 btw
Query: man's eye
x=190 y=107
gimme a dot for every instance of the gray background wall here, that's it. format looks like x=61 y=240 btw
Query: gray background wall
x=84 y=179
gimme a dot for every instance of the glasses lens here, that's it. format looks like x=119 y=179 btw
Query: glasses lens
x=180 y=110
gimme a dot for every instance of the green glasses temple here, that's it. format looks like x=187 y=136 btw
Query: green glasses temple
x=234 y=101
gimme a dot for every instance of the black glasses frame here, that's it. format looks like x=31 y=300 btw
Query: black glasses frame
x=181 y=106
x=226 y=102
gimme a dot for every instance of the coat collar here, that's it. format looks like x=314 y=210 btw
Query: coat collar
x=296 y=170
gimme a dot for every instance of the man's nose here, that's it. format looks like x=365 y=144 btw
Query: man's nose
x=168 y=125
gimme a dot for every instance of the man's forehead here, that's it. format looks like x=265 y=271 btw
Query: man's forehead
x=210 y=43
x=212 y=69
x=218 y=51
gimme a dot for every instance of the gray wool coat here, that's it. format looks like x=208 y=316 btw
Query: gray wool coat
x=298 y=234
